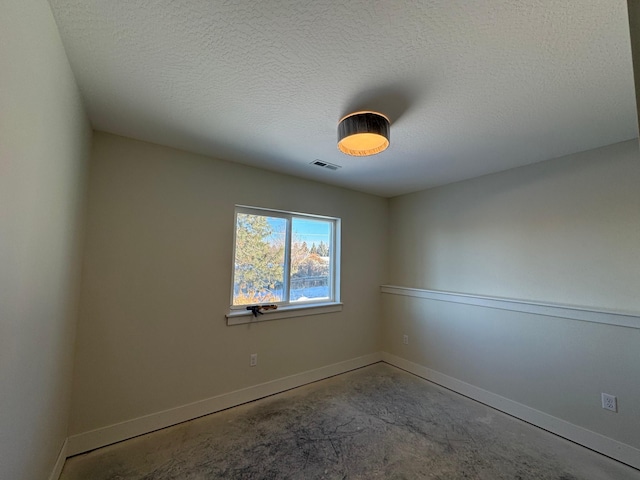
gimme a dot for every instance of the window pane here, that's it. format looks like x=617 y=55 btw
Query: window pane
x=260 y=259
x=310 y=260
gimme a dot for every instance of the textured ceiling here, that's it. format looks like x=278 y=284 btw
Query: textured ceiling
x=471 y=87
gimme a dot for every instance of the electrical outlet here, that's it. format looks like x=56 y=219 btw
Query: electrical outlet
x=609 y=402
x=253 y=360
x=405 y=339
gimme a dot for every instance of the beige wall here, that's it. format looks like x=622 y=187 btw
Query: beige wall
x=633 y=8
x=157 y=274
x=564 y=231
x=44 y=143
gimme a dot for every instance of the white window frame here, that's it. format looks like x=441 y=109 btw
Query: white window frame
x=238 y=314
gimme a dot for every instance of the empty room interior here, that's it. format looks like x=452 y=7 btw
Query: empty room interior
x=166 y=166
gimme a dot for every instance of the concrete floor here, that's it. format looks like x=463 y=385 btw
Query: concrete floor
x=378 y=422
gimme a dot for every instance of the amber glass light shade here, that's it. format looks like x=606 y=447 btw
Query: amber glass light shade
x=363 y=133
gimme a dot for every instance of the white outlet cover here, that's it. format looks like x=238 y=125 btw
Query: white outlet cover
x=609 y=402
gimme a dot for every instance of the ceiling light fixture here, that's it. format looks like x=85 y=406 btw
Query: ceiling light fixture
x=363 y=133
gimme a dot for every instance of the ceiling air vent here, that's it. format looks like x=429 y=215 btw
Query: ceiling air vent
x=328 y=165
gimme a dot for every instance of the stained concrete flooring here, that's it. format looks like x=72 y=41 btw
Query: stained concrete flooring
x=377 y=422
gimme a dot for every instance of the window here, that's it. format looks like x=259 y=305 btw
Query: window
x=285 y=258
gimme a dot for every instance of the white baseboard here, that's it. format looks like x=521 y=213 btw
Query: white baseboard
x=62 y=456
x=100 y=437
x=607 y=446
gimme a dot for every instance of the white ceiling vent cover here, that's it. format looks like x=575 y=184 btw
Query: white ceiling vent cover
x=328 y=165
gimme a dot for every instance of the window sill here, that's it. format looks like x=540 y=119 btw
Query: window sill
x=241 y=317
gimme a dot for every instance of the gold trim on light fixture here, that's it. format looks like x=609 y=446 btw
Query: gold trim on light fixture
x=363 y=133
